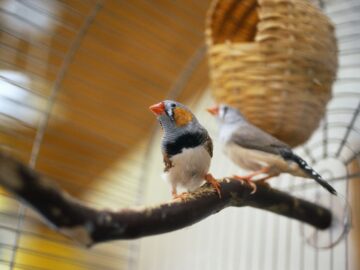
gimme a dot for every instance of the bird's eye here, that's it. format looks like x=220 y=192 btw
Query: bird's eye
x=173 y=105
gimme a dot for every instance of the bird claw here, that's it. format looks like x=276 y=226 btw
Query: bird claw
x=181 y=196
x=263 y=183
x=248 y=181
x=215 y=184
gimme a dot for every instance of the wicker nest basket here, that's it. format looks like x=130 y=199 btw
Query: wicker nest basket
x=275 y=60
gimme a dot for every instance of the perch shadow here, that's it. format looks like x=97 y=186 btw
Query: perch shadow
x=89 y=226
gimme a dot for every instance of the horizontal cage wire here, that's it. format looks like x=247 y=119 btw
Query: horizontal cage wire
x=40 y=48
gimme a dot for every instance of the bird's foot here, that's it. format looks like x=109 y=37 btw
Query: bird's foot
x=256 y=173
x=216 y=185
x=248 y=180
x=183 y=196
x=262 y=181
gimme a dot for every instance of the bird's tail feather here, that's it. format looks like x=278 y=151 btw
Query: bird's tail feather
x=289 y=155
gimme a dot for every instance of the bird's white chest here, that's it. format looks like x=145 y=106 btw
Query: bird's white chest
x=189 y=168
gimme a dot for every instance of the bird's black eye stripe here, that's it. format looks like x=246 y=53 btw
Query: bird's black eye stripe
x=170 y=113
x=173 y=105
x=225 y=110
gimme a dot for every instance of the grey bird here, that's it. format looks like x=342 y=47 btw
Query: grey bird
x=186 y=147
x=253 y=149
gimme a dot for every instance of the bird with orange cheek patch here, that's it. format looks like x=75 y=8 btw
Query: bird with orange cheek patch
x=186 y=147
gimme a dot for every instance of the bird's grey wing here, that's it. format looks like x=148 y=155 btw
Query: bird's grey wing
x=251 y=137
x=208 y=145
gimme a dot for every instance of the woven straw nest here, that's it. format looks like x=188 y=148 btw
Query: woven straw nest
x=275 y=60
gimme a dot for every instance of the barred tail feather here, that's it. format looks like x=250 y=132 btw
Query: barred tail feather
x=289 y=155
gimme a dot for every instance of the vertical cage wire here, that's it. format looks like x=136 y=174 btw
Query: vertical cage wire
x=267 y=241
x=43 y=122
x=45 y=117
x=20 y=51
x=67 y=56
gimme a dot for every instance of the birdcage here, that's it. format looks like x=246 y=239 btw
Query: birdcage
x=76 y=80
x=273 y=60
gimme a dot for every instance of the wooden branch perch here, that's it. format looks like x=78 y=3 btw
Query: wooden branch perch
x=90 y=226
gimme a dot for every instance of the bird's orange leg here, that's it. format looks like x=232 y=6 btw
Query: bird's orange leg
x=264 y=179
x=248 y=178
x=210 y=179
x=174 y=192
x=181 y=196
x=261 y=171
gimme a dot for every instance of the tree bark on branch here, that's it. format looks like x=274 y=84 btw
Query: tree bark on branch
x=89 y=226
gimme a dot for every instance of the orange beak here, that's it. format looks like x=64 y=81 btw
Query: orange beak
x=213 y=110
x=157 y=108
